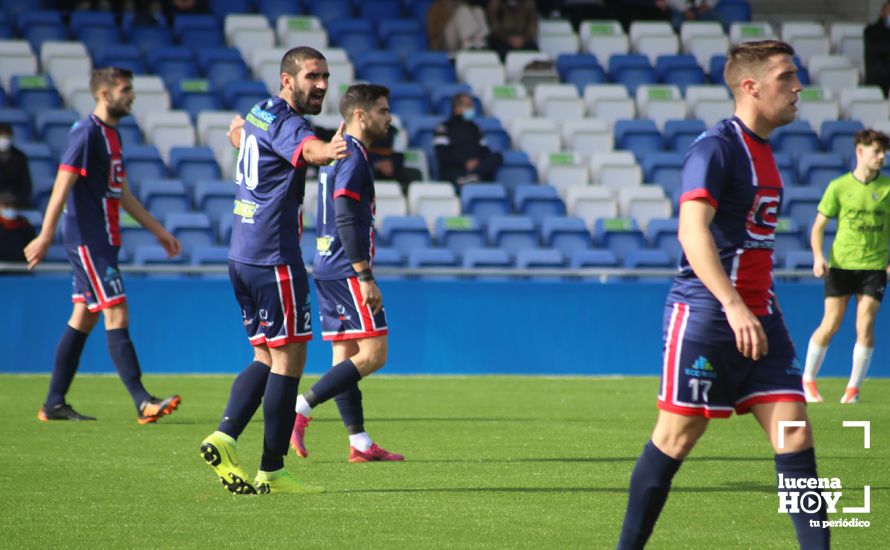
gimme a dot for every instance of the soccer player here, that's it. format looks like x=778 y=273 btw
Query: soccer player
x=860 y=201
x=267 y=272
x=726 y=345
x=349 y=301
x=90 y=188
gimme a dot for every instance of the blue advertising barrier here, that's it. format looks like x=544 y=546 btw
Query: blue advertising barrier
x=193 y=325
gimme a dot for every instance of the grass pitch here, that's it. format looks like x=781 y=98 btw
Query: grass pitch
x=492 y=462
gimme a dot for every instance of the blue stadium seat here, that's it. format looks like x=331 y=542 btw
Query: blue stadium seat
x=803 y=74
x=41 y=187
x=273 y=9
x=388 y=257
x=795 y=139
x=540 y=258
x=209 y=255
x=191 y=164
x=641 y=137
x=619 y=235
x=788 y=238
x=820 y=168
x=58 y=253
x=40 y=26
x=418 y=9
x=12 y=8
x=421 y=130
x=41 y=161
x=680 y=70
x=54 y=126
x=20 y=120
x=475 y=258
x=800 y=203
x=94 y=28
x=566 y=234
x=330 y=10
x=431 y=257
x=241 y=96
x=787 y=168
x=222 y=66
x=483 y=201
x=496 y=137
x=129 y=131
x=580 y=70
x=662 y=234
x=635 y=259
x=458 y=234
x=149 y=37
x=431 y=69
x=353 y=35
x=156 y=255
x=715 y=69
x=225 y=229
x=194 y=96
x=679 y=134
x=512 y=233
x=172 y=63
x=663 y=169
x=34 y=93
x=378 y=66
x=143 y=162
x=402 y=36
x=125 y=56
x=377 y=10
x=516 y=170
x=215 y=198
x=404 y=233
x=408 y=100
x=198 y=31
x=799 y=259
x=162 y=197
x=440 y=97
x=191 y=228
x=3 y=100
x=538 y=202
x=134 y=237
x=837 y=137
x=733 y=11
x=632 y=70
x=222 y=8
x=579 y=259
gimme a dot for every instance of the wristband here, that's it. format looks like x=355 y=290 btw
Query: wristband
x=365 y=275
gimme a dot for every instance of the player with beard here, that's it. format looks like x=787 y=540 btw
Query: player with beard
x=349 y=301
x=91 y=186
x=266 y=269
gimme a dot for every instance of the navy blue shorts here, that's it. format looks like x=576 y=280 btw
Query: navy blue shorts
x=274 y=300
x=96 y=281
x=704 y=375
x=342 y=315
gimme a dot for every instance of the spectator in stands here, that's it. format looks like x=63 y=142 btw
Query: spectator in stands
x=678 y=11
x=461 y=151
x=15 y=230
x=453 y=25
x=15 y=177
x=388 y=160
x=514 y=25
x=877 y=51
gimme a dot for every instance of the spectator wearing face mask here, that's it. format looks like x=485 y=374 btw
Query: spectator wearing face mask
x=15 y=230
x=461 y=151
x=15 y=177
x=877 y=51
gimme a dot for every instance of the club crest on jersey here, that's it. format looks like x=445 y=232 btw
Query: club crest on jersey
x=342 y=315
x=763 y=218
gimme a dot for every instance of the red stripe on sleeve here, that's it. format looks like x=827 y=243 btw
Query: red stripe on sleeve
x=347 y=193
x=698 y=194
x=73 y=169
x=297 y=159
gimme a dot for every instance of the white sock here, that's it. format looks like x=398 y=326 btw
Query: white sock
x=861 y=361
x=361 y=441
x=303 y=406
x=815 y=356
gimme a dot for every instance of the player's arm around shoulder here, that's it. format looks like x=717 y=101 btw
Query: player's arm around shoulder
x=37 y=248
x=131 y=204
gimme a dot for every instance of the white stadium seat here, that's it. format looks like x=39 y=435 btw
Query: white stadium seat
x=609 y=102
x=17 y=59
x=603 y=39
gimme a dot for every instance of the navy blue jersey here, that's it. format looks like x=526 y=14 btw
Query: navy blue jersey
x=92 y=211
x=351 y=177
x=271 y=183
x=734 y=170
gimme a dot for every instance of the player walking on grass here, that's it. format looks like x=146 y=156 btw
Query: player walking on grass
x=726 y=344
x=349 y=301
x=267 y=272
x=860 y=201
x=90 y=188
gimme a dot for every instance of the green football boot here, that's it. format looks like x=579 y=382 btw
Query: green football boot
x=219 y=452
x=283 y=482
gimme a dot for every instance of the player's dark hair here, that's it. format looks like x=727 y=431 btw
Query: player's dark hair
x=293 y=60
x=749 y=56
x=872 y=137
x=107 y=76
x=361 y=96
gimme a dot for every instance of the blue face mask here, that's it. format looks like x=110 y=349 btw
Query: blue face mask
x=469 y=114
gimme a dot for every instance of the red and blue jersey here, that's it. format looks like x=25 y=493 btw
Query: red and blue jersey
x=734 y=170
x=271 y=184
x=353 y=178
x=92 y=211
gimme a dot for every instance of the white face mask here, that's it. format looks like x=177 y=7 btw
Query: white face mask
x=5 y=143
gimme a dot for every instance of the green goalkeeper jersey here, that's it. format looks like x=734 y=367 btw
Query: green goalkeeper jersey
x=863 y=221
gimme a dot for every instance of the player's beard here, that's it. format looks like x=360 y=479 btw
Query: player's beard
x=301 y=101
x=119 y=108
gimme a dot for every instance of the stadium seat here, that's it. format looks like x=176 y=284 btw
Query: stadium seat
x=800 y=202
x=378 y=66
x=833 y=73
x=193 y=229
x=591 y=203
x=214 y=198
x=172 y=63
x=559 y=102
x=34 y=93
x=405 y=233
x=20 y=121
x=644 y=203
x=864 y=104
x=41 y=161
x=516 y=170
x=751 y=30
x=535 y=135
x=636 y=259
x=242 y=96
x=388 y=199
x=148 y=37
x=475 y=258
x=565 y=234
x=151 y=97
x=609 y=103
x=511 y=233
x=820 y=168
x=156 y=255
x=563 y=170
x=39 y=26
x=459 y=233
x=408 y=99
x=402 y=36
x=788 y=238
x=54 y=127
x=483 y=201
x=703 y=39
x=61 y=60
x=641 y=137
x=430 y=68
x=556 y=37
x=222 y=9
x=653 y=39
x=191 y=164
x=212 y=128
x=273 y=9
x=517 y=60
x=496 y=137
x=135 y=237
x=661 y=233
x=615 y=170
x=18 y=59
x=388 y=257
x=795 y=139
x=540 y=258
x=581 y=70
x=222 y=66
x=680 y=134
x=143 y=162
x=246 y=31
x=581 y=259
x=162 y=197
x=660 y=103
x=440 y=98
x=708 y=103
x=538 y=202
x=680 y=70
x=125 y=56
x=304 y=29
x=808 y=39
x=419 y=258
x=816 y=106
x=846 y=39
x=619 y=235
x=799 y=260
x=587 y=136
x=431 y=200
x=837 y=137
x=631 y=70
x=507 y=102
x=167 y=130
x=733 y=11
x=194 y=96
x=479 y=69
x=198 y=31
x=353 y=35
x=663 y=169
x=603 y=38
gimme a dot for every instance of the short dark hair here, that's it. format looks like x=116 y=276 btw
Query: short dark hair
x=748 y=55
x=293 y=59
x=361 y=96
x=107 y=76
x=871 y=137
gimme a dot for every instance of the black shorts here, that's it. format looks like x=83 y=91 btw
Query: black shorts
x=844 y=282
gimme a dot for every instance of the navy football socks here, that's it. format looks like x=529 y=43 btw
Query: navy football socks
x=65 y=365
x=649 y=487
x=123 y=355
x=279 y=414
x=339 y=378
x=244 y=399
x=349 y=402
x=802 y=464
